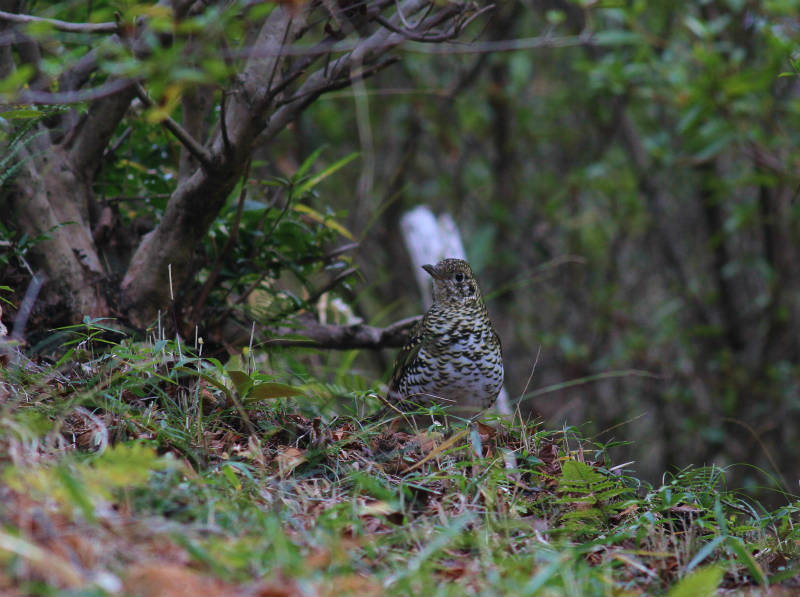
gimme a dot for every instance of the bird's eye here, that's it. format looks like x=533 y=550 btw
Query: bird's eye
x=459 y=277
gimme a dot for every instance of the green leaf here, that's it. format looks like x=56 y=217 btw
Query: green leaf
x=574 y=472
x=705 y=551
x=743 y=554
x=307 y=163
x=241 y=381
x=701 y=583
x=696 y=26
x=76 y=491
x=715 y=147
x=784 y=575
x=270 y=390
x=230 y=475
x=327 y=222
x=616 y=37
x=315 y=180
x=207 y=378
x=22 y=113
x=720 y=516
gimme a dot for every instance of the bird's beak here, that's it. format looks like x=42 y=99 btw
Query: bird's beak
x=432 y=271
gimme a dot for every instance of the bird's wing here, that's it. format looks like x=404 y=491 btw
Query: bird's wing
x=407 y=354
x=497 y=339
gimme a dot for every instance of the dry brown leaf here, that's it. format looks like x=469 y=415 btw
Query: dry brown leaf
x=172 y=580
x=288 y=460
x=352 y=584
x=486 y=431
x=275 y=587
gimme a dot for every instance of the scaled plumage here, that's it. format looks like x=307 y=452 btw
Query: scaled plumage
x=454 y=356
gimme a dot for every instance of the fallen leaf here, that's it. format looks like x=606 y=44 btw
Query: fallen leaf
x=288 y=460
x=172 y=580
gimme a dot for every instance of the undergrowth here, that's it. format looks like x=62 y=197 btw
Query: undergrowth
x=143 y=468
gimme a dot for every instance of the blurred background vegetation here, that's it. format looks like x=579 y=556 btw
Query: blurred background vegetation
x=624 y=174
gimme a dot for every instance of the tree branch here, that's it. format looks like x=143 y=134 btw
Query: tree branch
x=107 y=89
x=454 y=31
x=198 y=151
x=92 y=134
x=60 y=25
x=196 y=104
x=325 y=78
x=313 y=334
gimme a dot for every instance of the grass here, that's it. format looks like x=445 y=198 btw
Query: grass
x=143 y=469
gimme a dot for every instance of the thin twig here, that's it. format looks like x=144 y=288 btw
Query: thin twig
x=340 y=83
x=223 y=117
x=198 y=151
x=433 y=37
x=65 y=26
x=109 y=154
x=21 y=320
x=330 y=254
x=484 y=47
x=28 y=96
x=330 y=285
x=277 y=60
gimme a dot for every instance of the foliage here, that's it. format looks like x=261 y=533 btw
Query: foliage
x=256 y=241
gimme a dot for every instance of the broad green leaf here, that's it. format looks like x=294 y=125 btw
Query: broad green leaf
x=207 y=378
x=267 y=391
x=575 y=472
x=17 y=79
x=241 y=381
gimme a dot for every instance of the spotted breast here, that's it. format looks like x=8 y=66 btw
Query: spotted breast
x=454 y=357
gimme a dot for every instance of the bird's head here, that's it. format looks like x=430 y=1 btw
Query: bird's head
x=453 y=282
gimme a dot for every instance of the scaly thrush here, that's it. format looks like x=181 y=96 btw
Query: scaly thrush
x=453 y=357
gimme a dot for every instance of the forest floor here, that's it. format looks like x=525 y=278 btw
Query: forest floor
x=140 y=469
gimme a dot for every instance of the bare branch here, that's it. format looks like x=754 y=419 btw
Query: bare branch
x=331 y=284
x=454 y=31
x=65 y=26
x=75 y=76
x=335 y=75
x=504 y=45
x=198 y=151
x=342 y=337
x=107 y=89
x=482 y=47
x=306 y=96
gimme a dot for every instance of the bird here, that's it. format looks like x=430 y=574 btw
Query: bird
x=453 y=357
